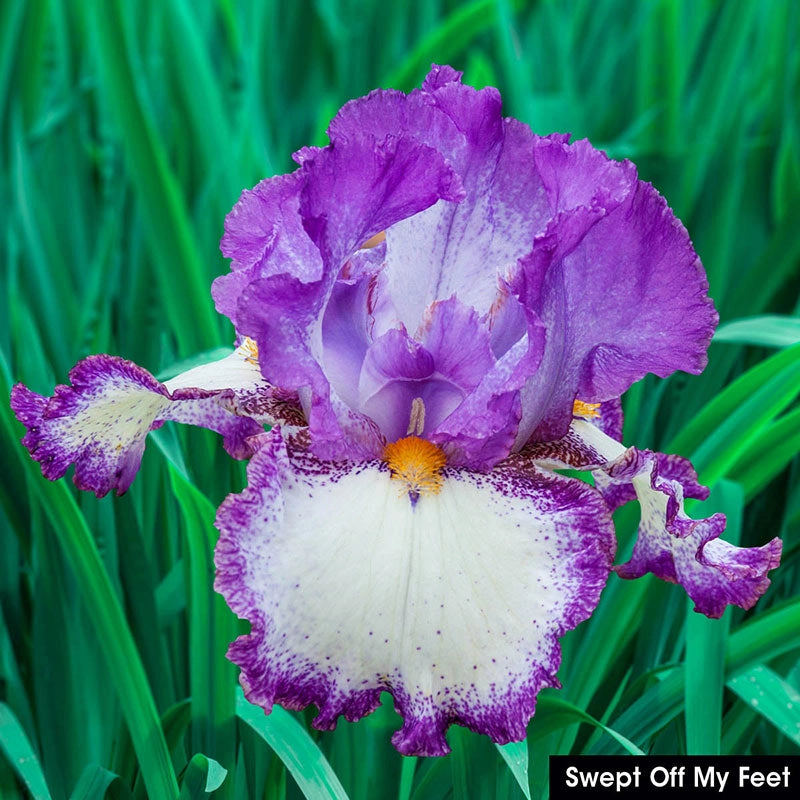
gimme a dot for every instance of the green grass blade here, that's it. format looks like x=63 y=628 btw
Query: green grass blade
x=771 y=634
x=778 y=372
x=734 y=435
x=20 y=754
x=181 y=272
x=295 y=748
x=175 y=721
x=774 y=267
x=450 y=37
x=203 y=776
x=769 y=454
x=107 y=617
x=97 y=782
x=407 y=770
x=212 y=627
x=718 y=83
x=554 y=713
x=772 y=697
x=515 y=754
x=766 y=330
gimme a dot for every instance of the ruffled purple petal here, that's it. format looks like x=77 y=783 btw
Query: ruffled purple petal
x=679 y=549
x=347 y=599
x=101 y=421
x=456 y=248
x=628 y=298
x=670 y=544
x=264 y=236
x=276 y=312
x=361 y=185
x=481 y=430
x=350 y=191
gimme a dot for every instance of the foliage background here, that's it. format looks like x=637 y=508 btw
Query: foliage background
x=128 y=131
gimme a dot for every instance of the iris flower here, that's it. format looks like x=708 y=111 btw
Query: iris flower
x=435 y=313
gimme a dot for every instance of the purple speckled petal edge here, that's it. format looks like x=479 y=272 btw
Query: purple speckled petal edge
x=670 y=544
x=342 y=611
x=101 y=421
x=679 y=549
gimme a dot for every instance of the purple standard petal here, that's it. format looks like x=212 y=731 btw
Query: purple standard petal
x=358 y=187
x=452 y=602
x=351 y=190
x=101 y=421
x=630 y=297
x=456 y=248
x=264 y=236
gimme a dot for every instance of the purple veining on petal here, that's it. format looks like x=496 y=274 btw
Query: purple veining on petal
x=388 y=625
x=101 y=421
x=571 y=451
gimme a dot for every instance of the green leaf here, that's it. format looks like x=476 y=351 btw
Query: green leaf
x=446 y=40
x=407 y=770
x=103 y=607
x=212 y=627
x=786 y=182
x=721 y=432
x=769 y=454
x=766 y=330
x=515 y=754
x=772 y=697
x=181 y=273
x=20 y=754
x=770 y=634
x=97 y=782
x=203 y=776
x=295 y=748
x=554 y=713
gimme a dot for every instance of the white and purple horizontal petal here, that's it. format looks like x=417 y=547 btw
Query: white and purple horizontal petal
x=100 y=422
x=670 y=544
x=679 y=549
x=452 y=603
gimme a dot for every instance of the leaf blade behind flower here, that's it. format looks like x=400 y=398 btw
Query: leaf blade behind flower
x=515 y=754
x=20 y=754
x=295 y=748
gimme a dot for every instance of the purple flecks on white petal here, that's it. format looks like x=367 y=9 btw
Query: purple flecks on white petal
x=454 y=604
x=100 y=422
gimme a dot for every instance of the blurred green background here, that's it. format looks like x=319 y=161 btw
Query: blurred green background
x=129 y=130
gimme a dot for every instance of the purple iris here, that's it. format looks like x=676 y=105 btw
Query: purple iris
x=434 y=312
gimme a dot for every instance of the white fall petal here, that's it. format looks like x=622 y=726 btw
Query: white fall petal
x=453 y=602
